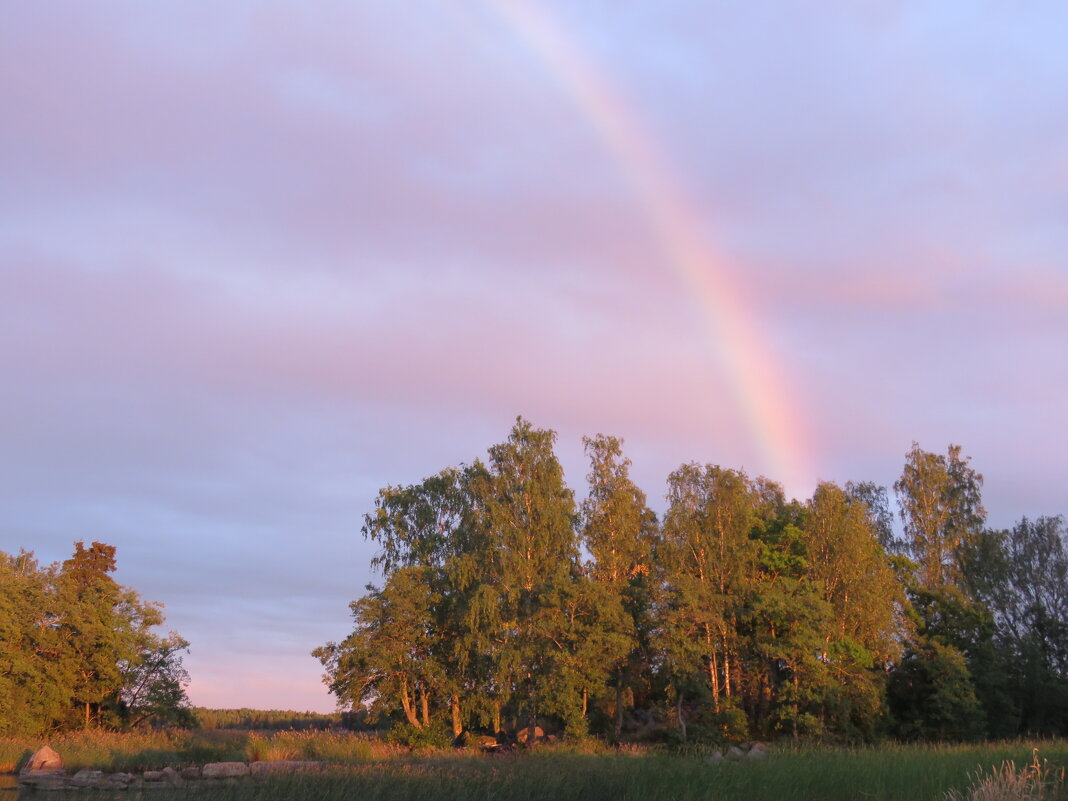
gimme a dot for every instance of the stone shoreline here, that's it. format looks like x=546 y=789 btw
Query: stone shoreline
x=214 y=773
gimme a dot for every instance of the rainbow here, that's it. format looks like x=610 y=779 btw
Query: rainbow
x=755 y=380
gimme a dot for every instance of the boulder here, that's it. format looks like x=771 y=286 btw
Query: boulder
x=87 y=778
x=715 y=757
x=171 y=777
x=192 y=773
x=45 y=760
x=758 y=751
x=224 y=770
x=152 y=776
x=529 y=735
x=735 y=753
x=44 y=780
x=116 y=781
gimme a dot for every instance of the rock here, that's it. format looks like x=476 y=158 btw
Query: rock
x=45 y=760
x=152 y=776
x=530 y=734
x=191 y=773
x=283 y=766
x=735 y=753
x=714 y=758
x=87 y=778
x=758 y=751
x=116 y=781
x=486 y=742
x=44 y=780
x=224 y=770
x=171 y=777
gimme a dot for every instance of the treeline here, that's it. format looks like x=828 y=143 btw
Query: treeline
x=78 y=650
x=265 y=719
x=740 y=614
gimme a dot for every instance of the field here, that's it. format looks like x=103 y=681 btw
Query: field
x=366 y=769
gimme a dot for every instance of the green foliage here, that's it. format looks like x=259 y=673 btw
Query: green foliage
x=424 y=737
x=79 y=650
x=743 y=614
x=932 y=697
x=942 y=512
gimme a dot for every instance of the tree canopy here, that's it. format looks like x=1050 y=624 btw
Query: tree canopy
x=505 y=602
x=79 y=650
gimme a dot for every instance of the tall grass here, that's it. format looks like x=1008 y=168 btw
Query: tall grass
x=341 y=747
x=1034 y=782
x=368 y=769
x=145 y=750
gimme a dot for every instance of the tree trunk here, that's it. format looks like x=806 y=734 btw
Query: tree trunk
x=713 y=675
x=795 y=707
x=726 y=673
x=619 y=708
x=585 y=702
x=496 y=717
x=457 y=729
x=682 y=720
x=406 y=702
x=424 y=699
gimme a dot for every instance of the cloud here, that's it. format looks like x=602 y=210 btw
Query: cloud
x=256 y=263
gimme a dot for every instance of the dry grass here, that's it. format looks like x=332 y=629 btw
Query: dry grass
x=1034 y=782
x=316 y=745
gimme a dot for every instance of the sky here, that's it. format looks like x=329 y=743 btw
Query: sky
x=260 y=259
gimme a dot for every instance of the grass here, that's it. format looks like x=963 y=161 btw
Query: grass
x=129 y=750
x=1034 y=782
x=138 y=751
x=368 y=769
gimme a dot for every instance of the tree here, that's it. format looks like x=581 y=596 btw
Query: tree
x=484 y=601
x=877 y=504
x=931 y=695
x=850 y=568
x=620 y=532
x=388 y=660
x=1021 y=576
x=35 y=673
x=708 y=563
x=154 y=682
x=529 y=518
x=940 y=498
x=79 y=649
